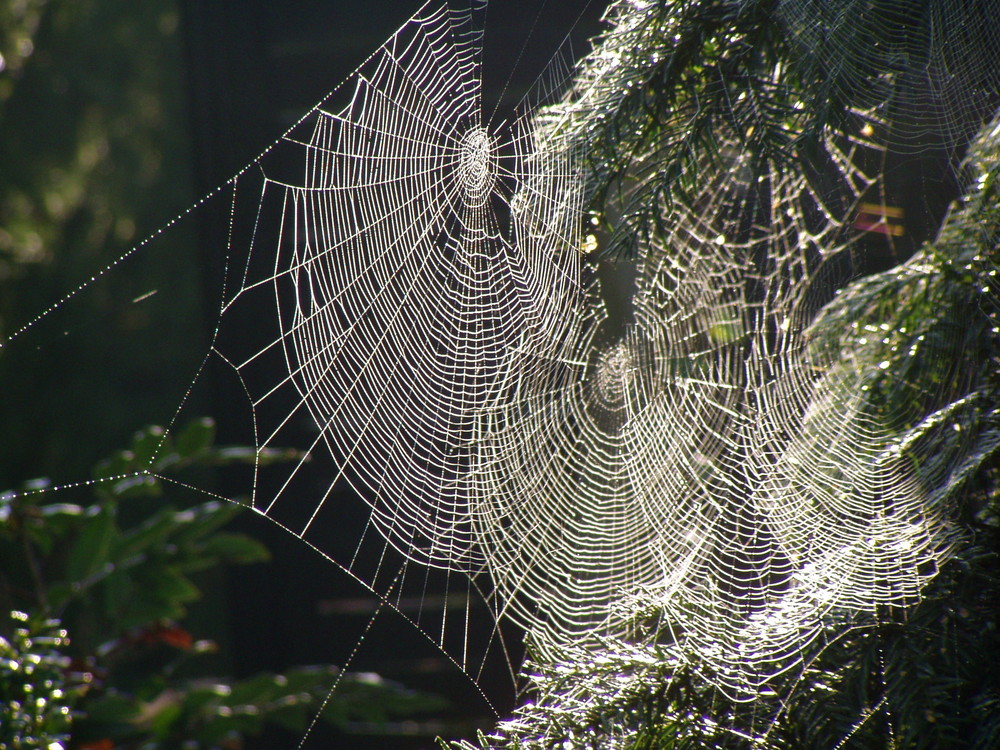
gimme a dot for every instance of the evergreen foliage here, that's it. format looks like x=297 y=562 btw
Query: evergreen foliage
x=919 y=678
x=654 y=96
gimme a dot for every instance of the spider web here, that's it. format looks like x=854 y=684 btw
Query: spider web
x=555 y=435
x=417 y=264
x=462 y=370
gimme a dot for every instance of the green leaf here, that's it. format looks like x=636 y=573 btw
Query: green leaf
x=247 y=455
x=201 y=520
x=91 y=549
x=61 y=509
x=118 y=591
x=238 y=549
x=162 y=712
x=172 y=587
x=196 y=437
x=146 y=445
x=115 y=465
x=137 y=485
x=236 y=454
x=159 y=592
x=150 y=533
x=112 y=708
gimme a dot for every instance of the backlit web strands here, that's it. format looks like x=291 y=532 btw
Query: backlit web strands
x=421 y=260
x=801 y=504
x=706 y=452
x=702 y=455
x=505 y=421
x=919 y=67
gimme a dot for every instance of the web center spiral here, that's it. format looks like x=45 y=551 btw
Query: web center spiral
x=477 y=168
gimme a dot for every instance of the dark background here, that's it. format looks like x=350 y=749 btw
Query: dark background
x=115 y=117
x=260 y=65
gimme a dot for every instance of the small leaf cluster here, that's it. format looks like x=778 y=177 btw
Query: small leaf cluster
x=106 y=658
x=35 y=694
x=126 y=558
